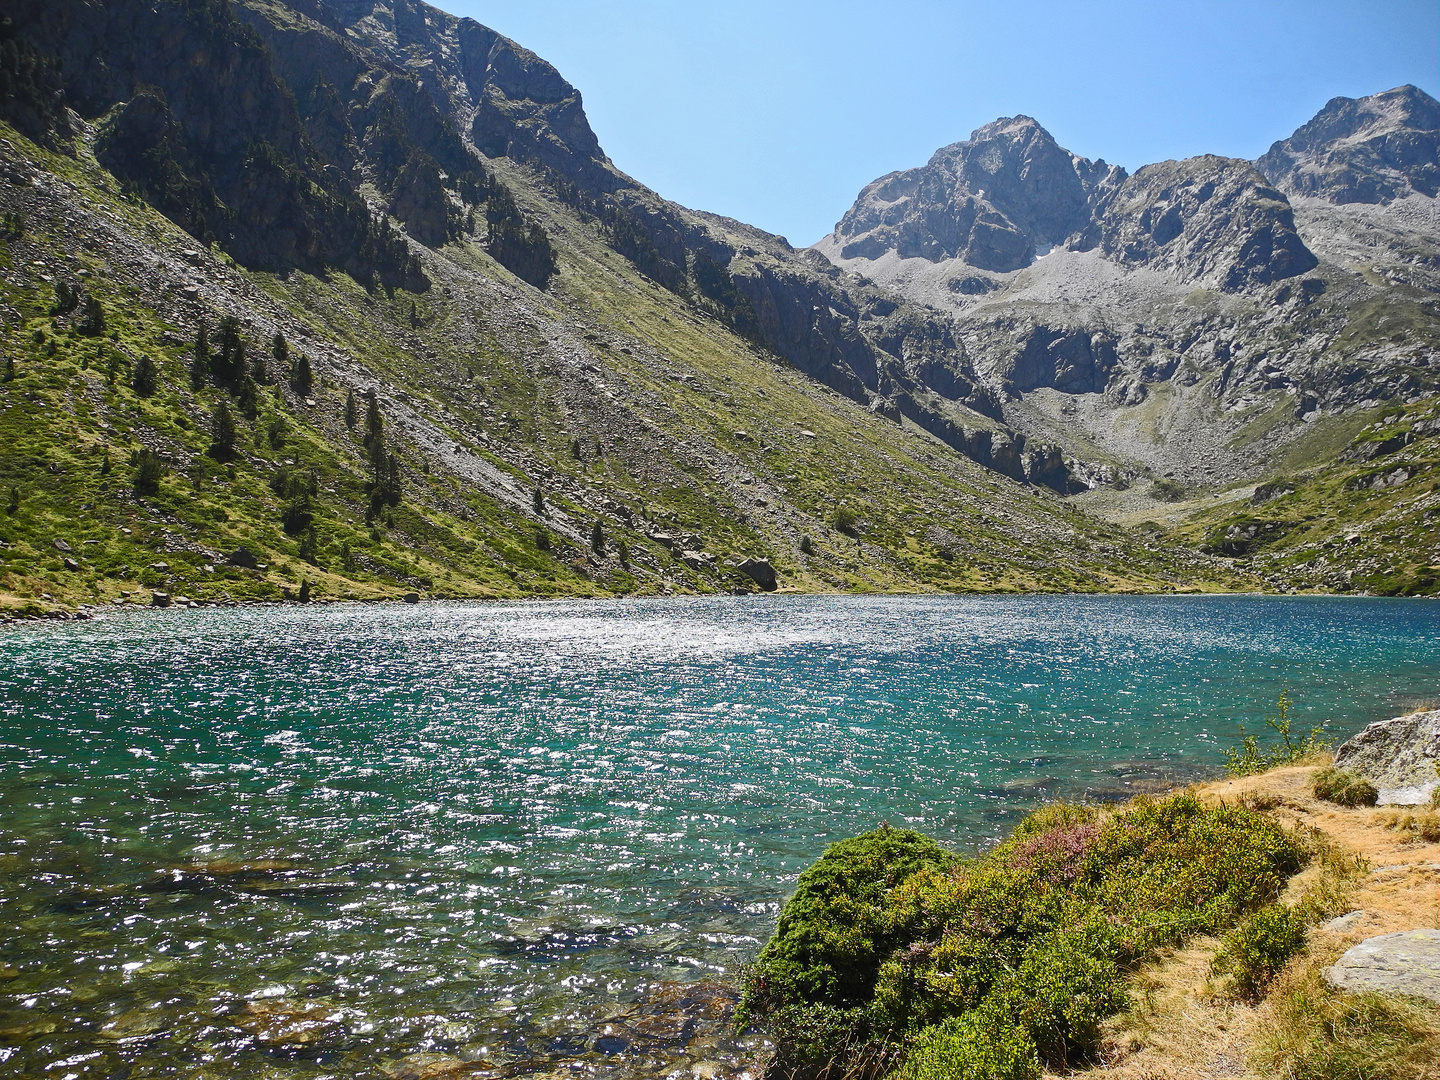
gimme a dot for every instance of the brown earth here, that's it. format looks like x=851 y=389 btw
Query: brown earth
x=1183 y=1027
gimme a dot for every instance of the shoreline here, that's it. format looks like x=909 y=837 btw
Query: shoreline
x=86 y=612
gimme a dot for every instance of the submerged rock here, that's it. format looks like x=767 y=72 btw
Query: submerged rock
x=1398 y=756
x=1404 y=963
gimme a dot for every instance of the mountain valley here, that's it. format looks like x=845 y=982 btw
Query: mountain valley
x=462 y=354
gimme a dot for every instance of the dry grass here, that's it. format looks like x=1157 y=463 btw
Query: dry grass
x=1183 y=1027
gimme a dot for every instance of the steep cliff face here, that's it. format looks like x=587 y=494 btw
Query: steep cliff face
x=1362 y=150
x=216 y=142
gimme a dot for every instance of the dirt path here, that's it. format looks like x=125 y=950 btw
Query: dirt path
x=1181 y=1027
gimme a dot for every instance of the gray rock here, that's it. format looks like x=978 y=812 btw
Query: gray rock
x=71 y=565
x=1398 y=756
x=1344 y=922
x=1404 y=963
x=243 y=557
x=761 y=572
x=61 y=545
x=159 y=598
x=412 y=598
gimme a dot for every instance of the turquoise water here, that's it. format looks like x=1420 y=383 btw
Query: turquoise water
x=318 y=841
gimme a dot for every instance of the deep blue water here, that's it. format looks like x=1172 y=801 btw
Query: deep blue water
x=479 y=830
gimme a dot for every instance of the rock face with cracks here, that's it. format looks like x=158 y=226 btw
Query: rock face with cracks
x=1398 y=756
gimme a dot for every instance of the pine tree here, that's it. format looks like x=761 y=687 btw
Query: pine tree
x=222 y=431
x=538 y=501
x=13 y=505
x=247 y=396
x=143 y=379
x=228 y=364
x=280 y=350
x=622 y=549
x=148 y=471
x=350 y=411
x=9 y=369
x=200 y=360
x=597 y=538
x=302 y=379
x=92 y=319
x=374 y=428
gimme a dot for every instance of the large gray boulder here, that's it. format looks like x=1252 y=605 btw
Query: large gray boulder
x=1404 y=963
x=1398 y=756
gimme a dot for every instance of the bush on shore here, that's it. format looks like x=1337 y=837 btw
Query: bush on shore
x=1344 y=788
x=893 y=953
x=1253 y=953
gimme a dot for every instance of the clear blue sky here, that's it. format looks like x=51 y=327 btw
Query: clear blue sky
x=777 y=112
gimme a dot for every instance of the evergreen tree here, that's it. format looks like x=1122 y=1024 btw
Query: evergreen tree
x=302 y=379
x=143 y=379
x=9 y=369
x=13 y=505
x=228 y=363
x=280 y=350
x=622 y=549
x=148 y=471
x=222 y=431
x=92 y=319
x=538 y=501
x=350 y=412
x=259 y=370
x=597 y=538
x=247 y=396
x=200 y=360
x=374 y=428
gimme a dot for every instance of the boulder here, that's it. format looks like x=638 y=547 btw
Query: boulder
x=159 y=598
x=71 y=565
x=61 y=545
x=1404 y=963
x=761 y=572
x=412 y=598
x=1398 y=756
x=243 y=557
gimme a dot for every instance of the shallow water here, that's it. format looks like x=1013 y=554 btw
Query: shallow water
x=320 y=841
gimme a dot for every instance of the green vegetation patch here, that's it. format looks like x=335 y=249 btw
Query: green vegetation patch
x=894 y=954
x=1344 y=788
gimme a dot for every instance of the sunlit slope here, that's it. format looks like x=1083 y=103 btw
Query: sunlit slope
x=609 y=396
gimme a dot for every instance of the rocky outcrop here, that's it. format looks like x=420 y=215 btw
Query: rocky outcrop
x=1407 y=963
x=1210 y=220
x=1398 y=756
x=1362 y=150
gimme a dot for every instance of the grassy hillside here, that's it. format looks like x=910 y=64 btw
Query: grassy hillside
x=518 y=419
x=1364 y=519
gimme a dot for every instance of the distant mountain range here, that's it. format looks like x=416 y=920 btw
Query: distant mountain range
x=419 y=205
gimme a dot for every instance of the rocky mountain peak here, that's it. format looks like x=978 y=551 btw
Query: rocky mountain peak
x=991 y=201
x=1362 y=150
x=1208 y=219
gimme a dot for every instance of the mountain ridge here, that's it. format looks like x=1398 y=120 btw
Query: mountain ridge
x=547 y=337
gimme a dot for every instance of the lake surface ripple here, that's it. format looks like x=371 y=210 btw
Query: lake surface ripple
x=510 y=838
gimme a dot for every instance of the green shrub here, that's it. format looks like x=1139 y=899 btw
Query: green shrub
x=1254 y=952
x=834 y=933
x=1250 y=759
x=1344 y=788
x=976 y=1046
x=900 y=937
